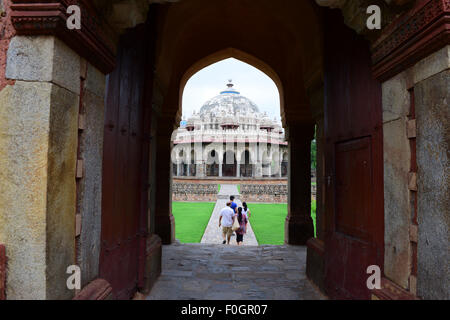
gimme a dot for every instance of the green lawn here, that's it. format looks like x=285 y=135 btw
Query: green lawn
x=191 y=219
x=268 y=220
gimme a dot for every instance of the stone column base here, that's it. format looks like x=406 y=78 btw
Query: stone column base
x=298 y=230
x=152 y=263
x=165 y=228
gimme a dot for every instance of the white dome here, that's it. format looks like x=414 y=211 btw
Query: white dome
x=229 y=103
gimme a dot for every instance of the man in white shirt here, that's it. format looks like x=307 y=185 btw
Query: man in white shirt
x=226 y=221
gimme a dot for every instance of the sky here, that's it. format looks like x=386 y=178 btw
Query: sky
x=249 y=81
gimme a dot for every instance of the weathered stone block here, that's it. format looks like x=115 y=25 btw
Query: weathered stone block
x=90 y=187
x=44 y=59
x=61 y=191
x=38 y=137
x=411 y=129
x=95 y=81
x=30 y=58
x=24 y=144
x=412 y=181
x=435 y=63
x=396 y=100
x=397 y=210
x=433 y=176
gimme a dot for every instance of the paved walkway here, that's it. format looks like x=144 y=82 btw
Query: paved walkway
x=213 y=234
x=217 y=272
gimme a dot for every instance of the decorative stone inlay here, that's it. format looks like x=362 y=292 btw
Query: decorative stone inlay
x=408 y=27
x=414 y=35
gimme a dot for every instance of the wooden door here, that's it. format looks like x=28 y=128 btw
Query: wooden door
x=122 y=231
x=354 y=163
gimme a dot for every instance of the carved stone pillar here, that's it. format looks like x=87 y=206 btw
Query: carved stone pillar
x=299 y=225
x=258 y=169
x=200 y=170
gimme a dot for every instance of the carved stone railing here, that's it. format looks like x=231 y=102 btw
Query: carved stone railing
x=194 y=191
x=195 y=188
x=268 y=189
x=272 y=193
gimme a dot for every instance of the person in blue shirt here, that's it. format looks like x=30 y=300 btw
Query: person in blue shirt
x=234 y=207
x=233 y=204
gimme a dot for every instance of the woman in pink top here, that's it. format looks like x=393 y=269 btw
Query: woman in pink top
x=243 y=220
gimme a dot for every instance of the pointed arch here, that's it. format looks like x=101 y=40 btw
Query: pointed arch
x=236 y=54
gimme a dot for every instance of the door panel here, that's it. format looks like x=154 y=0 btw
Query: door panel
x=121 y=234
x=354 y=237
x=353 y=188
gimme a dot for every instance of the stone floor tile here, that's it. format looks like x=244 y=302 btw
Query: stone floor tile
x=212 y=277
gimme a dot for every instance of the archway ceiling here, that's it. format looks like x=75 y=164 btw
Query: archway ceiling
x=284 y=35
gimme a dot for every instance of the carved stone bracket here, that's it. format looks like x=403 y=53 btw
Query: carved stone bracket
x=94 y=41
x=411 y=30
x=411 y=37
x=355 y=12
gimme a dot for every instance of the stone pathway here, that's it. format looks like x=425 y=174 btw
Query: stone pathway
x=217 y=272
x=213 y=234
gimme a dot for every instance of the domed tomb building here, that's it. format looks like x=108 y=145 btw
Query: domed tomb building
x=230 y=137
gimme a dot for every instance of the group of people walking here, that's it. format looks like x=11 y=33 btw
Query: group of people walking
x=234 y=219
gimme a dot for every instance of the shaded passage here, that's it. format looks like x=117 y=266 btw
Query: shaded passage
x=217 y=272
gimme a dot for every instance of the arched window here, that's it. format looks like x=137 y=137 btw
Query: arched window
x=246 y=166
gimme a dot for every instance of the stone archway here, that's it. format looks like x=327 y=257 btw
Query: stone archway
x=287 y=38
x=212 y=163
